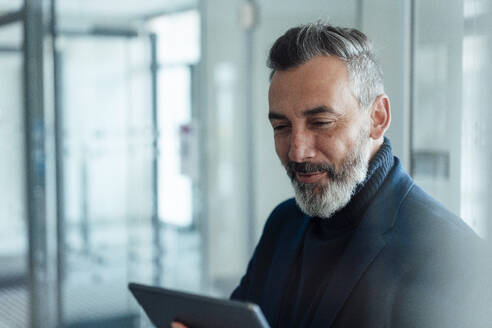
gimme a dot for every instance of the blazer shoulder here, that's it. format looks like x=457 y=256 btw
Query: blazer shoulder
x=424 y=209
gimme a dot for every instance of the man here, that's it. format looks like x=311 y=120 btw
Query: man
x=361 y=245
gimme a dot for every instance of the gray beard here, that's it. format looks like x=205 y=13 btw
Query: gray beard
x=323 y=199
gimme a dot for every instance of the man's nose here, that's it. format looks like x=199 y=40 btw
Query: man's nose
x=302 y=146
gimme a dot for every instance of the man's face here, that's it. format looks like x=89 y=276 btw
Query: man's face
x=321 y=134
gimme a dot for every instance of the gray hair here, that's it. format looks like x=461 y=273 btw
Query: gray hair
x=302 y=43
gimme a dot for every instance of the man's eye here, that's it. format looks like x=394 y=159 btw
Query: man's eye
x=322 y=123
x=279 y=127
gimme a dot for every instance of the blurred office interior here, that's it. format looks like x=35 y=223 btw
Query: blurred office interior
x=135 y=145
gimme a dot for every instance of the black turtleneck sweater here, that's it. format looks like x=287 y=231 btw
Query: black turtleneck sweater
x=324 y=242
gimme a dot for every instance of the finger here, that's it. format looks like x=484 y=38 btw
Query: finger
x=175 y=324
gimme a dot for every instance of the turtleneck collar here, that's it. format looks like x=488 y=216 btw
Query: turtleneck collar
x=351 y=214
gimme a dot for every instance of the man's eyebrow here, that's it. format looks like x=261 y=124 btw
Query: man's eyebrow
x=276 y=116
x=318 y=110
x=310 y=112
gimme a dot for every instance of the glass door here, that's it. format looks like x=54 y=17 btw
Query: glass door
x=108 y=154
x=14 y=291
x=84 y=141
x=129 y=167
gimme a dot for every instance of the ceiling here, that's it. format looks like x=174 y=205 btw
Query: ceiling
x=80 y=15
x=121 y=8
x=118 y=10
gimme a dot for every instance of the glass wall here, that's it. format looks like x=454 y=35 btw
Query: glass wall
x=450 y=133
x=105 y=99
x=130 y=162
x=476 y=139
x=14 y=297
x=116 y=142
x=437 y=114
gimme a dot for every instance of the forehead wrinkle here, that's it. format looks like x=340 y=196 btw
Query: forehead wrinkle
x=322 y=109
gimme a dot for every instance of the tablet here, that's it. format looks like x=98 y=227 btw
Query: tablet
x=163 y=306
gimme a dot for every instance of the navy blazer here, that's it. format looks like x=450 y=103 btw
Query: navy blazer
x=410 y=263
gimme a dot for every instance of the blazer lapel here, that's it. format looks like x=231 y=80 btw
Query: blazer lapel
x=282 y=262
x=357 y=257
x=368 y=240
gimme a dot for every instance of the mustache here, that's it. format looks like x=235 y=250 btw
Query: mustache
x=307 y=167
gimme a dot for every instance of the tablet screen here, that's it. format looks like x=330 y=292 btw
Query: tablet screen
x=163 y=306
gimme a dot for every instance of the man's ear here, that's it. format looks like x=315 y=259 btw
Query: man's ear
x=380 y=116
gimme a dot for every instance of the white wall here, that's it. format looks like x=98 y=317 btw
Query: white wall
x=387 y=24
x=437 y=102
x=224 y=119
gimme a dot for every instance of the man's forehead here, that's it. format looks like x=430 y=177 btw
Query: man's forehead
x=325 y=63
x=319 y=86
x=320 y=74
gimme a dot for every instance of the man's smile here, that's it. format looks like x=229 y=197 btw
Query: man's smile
x=310 y=177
